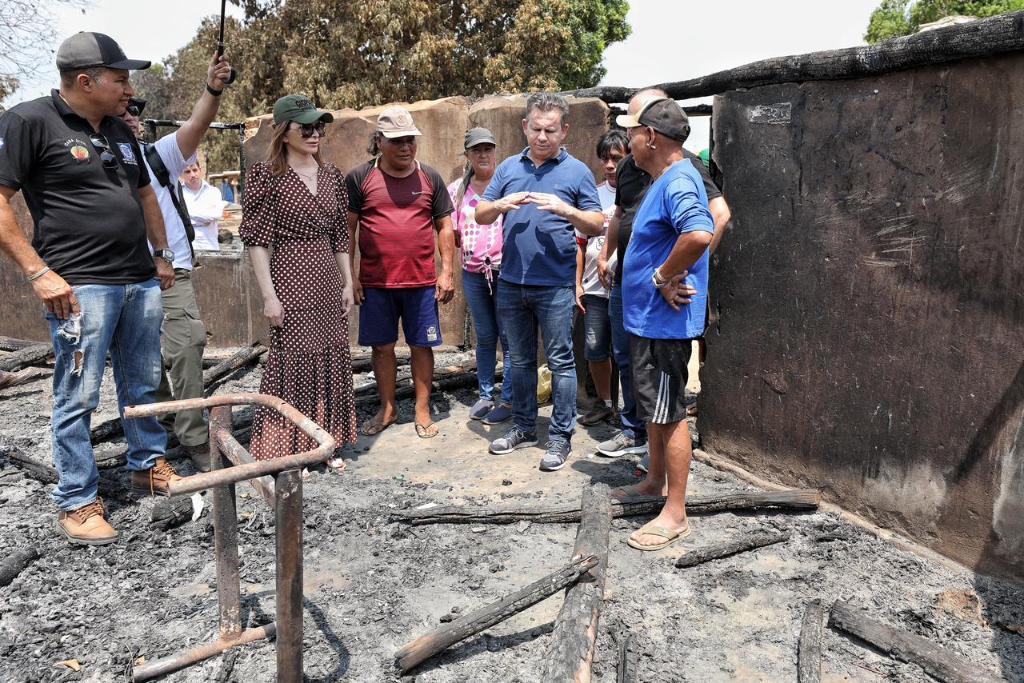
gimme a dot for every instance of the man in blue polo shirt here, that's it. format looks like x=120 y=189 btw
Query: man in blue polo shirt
x=545 y=195
x=667 y=255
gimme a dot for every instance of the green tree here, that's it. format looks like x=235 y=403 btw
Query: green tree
x=357 y=54
x=894 y=18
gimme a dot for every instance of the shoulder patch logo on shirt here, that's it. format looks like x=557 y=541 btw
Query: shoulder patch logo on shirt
x=127 y=153
x=78 y=149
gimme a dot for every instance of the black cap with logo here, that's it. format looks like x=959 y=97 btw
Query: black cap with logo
x=88 y=50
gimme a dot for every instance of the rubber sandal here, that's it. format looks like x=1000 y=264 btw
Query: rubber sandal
x=426 y=431
x=669 y=536
x=376 y=426
x=336 y=464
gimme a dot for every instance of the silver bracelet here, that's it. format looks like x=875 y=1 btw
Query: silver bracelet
x=659 y=284
x=36 y=276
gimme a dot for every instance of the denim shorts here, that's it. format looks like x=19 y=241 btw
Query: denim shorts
x=597 y=328
x=416 y=307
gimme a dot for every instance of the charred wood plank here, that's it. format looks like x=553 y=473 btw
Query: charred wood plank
x=749 y=541
x=14 y=562
x=37 y=354
x=570 y=653
x=426 y=646
x=981 y=38
x=239 y=360
x=14 y=379
x=625 y=670
x=47 y=474
x=794 y=499
x=809 y=648
x=907 y=647
x=108 y=429
x=14 y=344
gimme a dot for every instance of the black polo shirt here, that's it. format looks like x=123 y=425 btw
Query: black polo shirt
x=89 y=225
x=631 y=182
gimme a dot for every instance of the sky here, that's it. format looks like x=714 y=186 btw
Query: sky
x=672 y=40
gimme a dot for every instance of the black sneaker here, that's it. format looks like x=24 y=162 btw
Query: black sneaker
x=513 y=439
x=558 y=453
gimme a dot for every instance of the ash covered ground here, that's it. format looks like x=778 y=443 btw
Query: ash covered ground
x=372 y=585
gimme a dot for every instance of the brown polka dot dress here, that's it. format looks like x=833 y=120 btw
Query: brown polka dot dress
x=309 y=364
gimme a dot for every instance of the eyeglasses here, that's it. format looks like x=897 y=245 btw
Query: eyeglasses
x=306 y=130
x=107 y=157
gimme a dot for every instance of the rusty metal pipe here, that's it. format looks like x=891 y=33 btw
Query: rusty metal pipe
x=288 y=536
x=225 y=536
x=233 y=475
x=166 y=665
x=236 y=453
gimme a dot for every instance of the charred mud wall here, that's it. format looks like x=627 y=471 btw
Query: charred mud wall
x=868 y=303
x=228 y=294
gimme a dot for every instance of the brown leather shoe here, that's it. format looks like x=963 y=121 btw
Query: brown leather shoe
x=200 y=456
x=154 y=481
x=86 y=525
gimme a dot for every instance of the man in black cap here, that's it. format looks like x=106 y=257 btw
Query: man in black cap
x=81 y=173
x=183 y=334
x=664 y=286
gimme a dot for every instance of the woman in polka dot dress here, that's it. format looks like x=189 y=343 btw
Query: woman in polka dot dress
x=294 y=223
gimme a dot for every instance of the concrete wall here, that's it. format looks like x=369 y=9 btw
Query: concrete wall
x=228 y=294
x=869 y=301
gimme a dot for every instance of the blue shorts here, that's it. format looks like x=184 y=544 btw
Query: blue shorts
x=416 y=307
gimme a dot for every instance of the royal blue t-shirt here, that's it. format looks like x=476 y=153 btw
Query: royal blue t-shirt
x=539 y=247
x=674 y=204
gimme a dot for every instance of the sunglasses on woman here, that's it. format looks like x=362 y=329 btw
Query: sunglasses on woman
x=306 y=130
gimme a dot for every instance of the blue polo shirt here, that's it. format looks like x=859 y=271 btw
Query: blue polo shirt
x=675 y=203
x=539 y=247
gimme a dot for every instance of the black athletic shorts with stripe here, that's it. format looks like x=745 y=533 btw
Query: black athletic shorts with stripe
x=659 y=377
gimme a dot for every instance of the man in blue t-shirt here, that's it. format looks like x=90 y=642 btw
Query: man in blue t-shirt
x=545 y=195
x=664 y=291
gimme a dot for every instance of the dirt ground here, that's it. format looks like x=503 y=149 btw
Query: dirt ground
x=371 y=585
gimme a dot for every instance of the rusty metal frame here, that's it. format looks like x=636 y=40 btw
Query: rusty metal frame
x=283 y=494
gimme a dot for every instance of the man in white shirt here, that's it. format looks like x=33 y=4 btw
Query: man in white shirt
x=183 y=335
x=205 y=207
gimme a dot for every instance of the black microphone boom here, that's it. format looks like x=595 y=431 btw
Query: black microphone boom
x=220 y=40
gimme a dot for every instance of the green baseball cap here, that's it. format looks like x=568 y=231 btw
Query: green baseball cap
x=300 y=109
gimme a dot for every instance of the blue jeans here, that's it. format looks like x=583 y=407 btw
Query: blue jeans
x=631 y=422
x=524 y=308
x=482 y=300
x=124 y=320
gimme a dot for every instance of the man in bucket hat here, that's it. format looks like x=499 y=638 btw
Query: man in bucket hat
x=81 y=172
x=396 y=206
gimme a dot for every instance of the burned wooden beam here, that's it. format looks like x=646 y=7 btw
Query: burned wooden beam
x=570 y=653
x=14 y=344
x=14 y=379
x=624 y=669
x=794 y=499
x=14 y=562
x=809 y=648
x=907 y=647
x=748 y=541
x=239 y=360
x=980 y=38
x=111 y=428
x=36 y=354
x=426 y=646
x=47 y=474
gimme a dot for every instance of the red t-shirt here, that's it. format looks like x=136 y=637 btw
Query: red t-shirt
x=396 y=224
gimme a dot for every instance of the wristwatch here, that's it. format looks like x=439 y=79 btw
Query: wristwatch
x=165 y=254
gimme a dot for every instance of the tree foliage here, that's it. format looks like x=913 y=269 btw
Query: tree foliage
x=357 y=54
x=26 y=28
x=894 y=18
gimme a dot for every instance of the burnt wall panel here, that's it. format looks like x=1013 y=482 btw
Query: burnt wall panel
x=868 y=302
